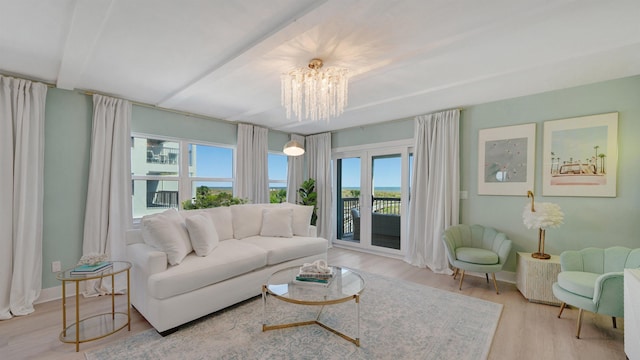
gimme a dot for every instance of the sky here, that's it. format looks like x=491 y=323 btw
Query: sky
x=387 y=172
x=579 y=144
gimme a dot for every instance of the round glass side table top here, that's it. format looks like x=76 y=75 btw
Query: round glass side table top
x=117 y=267
x=343 y=286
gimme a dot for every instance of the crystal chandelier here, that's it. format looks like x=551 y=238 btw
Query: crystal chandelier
x=313 y=93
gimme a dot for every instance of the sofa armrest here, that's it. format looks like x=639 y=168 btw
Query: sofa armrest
x=148 y=259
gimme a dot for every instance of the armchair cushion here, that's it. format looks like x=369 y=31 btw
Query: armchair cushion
x=578 y=282
x=477 y=256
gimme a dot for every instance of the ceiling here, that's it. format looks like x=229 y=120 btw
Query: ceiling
x=223 y=59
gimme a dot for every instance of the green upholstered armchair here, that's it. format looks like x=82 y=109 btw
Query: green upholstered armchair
x=592 y=279
x=476 y=248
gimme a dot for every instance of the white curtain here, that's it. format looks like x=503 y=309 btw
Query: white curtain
x=108 y=209
x=22 y=107
x=434 y=202
x=318 y=150
x=295 y=167
x=252 y=174
x=244 y=162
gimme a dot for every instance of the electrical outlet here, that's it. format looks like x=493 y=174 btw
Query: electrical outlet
x=56 y=267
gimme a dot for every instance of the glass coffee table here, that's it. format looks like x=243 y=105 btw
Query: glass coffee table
x=345 y=285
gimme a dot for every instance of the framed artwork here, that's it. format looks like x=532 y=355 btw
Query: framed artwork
x=506 y=160
x=581 y=156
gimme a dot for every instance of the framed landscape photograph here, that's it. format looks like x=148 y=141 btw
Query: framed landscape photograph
x=581 y=156
x=506 y=160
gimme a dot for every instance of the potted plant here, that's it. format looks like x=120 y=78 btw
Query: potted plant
x=308 y=196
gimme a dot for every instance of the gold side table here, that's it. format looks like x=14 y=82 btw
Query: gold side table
x=535 y=278
x=99 y=325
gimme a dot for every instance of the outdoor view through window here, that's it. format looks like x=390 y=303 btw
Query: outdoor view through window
x=162 y=170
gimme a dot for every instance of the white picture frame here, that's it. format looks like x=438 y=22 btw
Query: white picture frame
x=581 y=156
x=506 y=160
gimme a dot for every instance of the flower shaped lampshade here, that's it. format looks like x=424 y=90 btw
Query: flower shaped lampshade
x=541 y=216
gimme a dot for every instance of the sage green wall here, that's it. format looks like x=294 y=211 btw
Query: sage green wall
x=589 y=221
x=383 y=132
x=161 y=122
x=68 y=117
x=66 y=172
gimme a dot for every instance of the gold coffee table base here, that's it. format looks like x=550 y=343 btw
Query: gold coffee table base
x=346 y=285
x=356 y=341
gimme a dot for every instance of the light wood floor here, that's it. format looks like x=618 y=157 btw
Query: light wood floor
x=525 y=331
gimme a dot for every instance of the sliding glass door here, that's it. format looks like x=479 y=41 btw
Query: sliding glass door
x=371 y=190
x=348 y=195
x=386 y=200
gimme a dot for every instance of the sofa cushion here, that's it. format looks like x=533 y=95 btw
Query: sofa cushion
x=476 y=256
x=246 y=220
x=166 y=231
x=301 y=218
x=277 y=222
x=229 y=259
x=281 y=249
x=221 y=217
x=578 y=282
x=203 y=234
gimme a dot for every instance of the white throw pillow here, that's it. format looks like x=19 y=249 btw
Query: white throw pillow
x=301 y=218
x=277 y=222
x=203 y=234
x=166 y=232
x=246 y=220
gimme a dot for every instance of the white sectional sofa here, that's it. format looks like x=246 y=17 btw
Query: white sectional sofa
x=187 y=264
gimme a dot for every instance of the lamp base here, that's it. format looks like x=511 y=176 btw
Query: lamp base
x=541 y=256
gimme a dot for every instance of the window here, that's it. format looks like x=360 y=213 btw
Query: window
x=211 y=166
x=165 y=172
x=277 y=177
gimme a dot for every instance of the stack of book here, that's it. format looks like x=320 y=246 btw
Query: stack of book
x=315 y=277
x=91 y=269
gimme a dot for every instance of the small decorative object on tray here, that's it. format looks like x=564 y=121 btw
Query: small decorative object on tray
x=92 y=259
x=316 y=272
x=91 y=269
x=91 y=264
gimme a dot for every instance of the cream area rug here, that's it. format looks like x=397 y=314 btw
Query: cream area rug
x=398 y=320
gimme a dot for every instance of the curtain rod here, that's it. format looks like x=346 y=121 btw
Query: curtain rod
x=18 y=76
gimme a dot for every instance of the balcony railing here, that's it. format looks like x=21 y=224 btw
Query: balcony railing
x=162 y=199
x=162 y=155
x=380 y=205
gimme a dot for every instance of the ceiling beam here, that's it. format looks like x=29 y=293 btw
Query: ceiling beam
x=87 y=24
x=301 y=22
